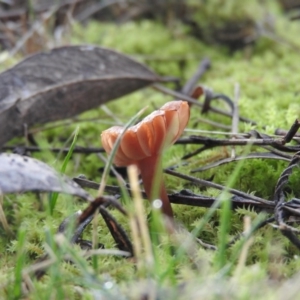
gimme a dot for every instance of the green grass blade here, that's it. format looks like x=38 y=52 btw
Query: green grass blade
x=225 y=224
x=105 y=175
x=114 y=150
x=17 y=288
x=54 y=196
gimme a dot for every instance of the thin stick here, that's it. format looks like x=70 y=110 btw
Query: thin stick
x=190 y=84
x=77 y=149
x=181 y=96
x=217 y=186
x=111 y=114
x=185 y=197
x=230 y=142
x=235 y=116
x=292 y=131
x=212 y=123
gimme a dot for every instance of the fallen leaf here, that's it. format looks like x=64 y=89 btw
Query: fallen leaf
x=20 y=174
x=64 y=82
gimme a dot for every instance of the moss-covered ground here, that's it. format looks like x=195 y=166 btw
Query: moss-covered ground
x=268 y=74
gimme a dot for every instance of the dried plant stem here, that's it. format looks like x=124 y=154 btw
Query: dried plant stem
x=137 y=246
x=217 y=186
x=139 y=222
x=244 y=252
x=235 y=117
x=212 y=123
x=3 y=220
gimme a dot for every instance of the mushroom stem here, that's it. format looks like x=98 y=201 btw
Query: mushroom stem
x=151 y=173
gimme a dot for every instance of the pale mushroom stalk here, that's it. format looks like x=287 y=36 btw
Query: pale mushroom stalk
x=151 y=173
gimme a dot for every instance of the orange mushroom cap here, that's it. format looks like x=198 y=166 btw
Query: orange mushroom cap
x=147 y=138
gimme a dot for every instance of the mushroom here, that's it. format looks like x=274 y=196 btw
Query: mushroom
x=143 y=143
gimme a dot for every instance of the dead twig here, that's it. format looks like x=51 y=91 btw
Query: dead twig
x=204 y=65
x=186 y=197
x=77 y=149
x=182 y=96
x=281 y=213
x=198 y=181
x=256 y=155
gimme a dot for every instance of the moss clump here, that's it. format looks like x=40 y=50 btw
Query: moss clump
x=269 y=80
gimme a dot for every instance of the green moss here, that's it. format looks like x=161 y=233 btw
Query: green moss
x=269 y=79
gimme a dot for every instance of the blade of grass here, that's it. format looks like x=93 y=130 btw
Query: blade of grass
x=56 y=280
x=104 y=179
x=226 y=211
x=20 y=261
x=114 y=150
x=54 y=196
x=247 y=236
x=158 y=228
x=196 y=231
x=225 y=224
